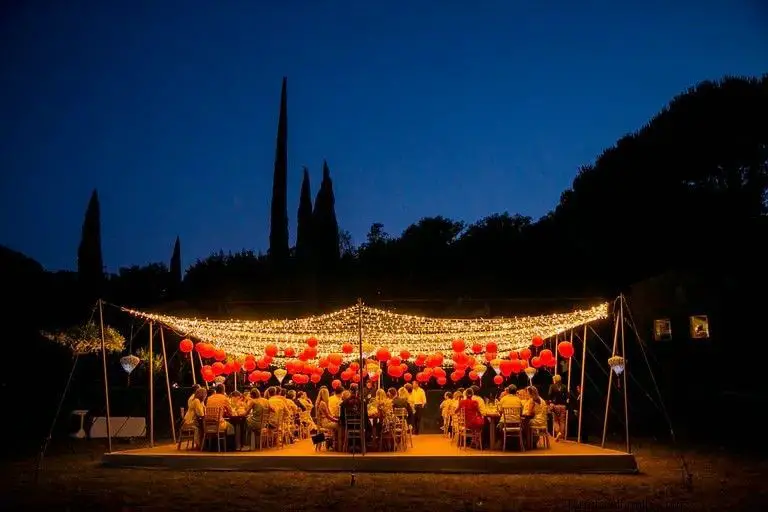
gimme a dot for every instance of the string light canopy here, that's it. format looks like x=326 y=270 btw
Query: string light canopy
x=393 y=331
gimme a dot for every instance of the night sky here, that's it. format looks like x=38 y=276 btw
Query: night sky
x=459 y=108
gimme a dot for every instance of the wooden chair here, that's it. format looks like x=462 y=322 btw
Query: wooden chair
x=353 y=434
x=212 y=428
x=400 y=428
x=474 y=435
x=512 y=426
x=542 y=434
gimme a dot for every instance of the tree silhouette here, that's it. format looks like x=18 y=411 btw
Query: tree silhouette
x=175 y=269
x=278 y=234
x=90 y=265
x=324 y=223
x=304 y=222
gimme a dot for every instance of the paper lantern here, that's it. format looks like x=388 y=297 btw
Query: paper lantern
x=382 y=355
x=565 y=349
x=458 y=345
x=218 y=368
x=253 y=377
x=315 y=378
x=335 y=359
x=514 y=355
x=186 y=346
x=347 y=348
x=220 y=379
x=129 y=363
x=280 y=374
x=407 y=377
x=546 y=356
x=289 y=352
x=536 y=362
x=491 y=346
x=335 y=383
x=525 y=354
x=405 y=355
x=219 y=355
x=496 y=365
x=271 y=350
x=617 y=364
x=498 y=380
x=312 y=342
x=249 y=365
x=537 y=341
x=530 y=372
x=442 y=381
x=480 y=370
x=477 y=348
x=473 y=375
x=394 y=361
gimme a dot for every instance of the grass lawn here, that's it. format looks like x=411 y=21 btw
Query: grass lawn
x=75 y=481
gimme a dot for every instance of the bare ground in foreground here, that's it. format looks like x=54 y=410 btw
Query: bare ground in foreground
x=76 y=481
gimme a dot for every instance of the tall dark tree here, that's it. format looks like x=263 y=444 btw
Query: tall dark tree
x=304 y=223
x=175 y=269
x=278 y=234
x=324 y=224
x=90 y=265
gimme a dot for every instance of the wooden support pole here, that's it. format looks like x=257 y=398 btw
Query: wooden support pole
x=581 y=386
x=568 y=391
x=192 y=362
x=624 y=375
x=106 y=380
x=168 y=385
x=610 y=379
x=360 y=347
x=151 y=389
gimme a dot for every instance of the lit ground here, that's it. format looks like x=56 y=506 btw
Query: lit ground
x=75 y=481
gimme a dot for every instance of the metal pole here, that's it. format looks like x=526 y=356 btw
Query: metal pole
x=610 y=381
x=168 y=385
x=151 y=390
x=624 y=355
x=568 y=392
x=360 y=347
x=192 y=362
x=201 y=367
x=581 y=387
x=106 y=382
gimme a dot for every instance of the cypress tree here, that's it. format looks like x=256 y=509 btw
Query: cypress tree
x=324 y=223
x=278 y=234
x=90 y=265
x=304 y=223
x=175 y=269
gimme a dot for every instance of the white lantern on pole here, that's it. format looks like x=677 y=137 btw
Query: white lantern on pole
x=480 y=370
x=496 y=365
x=530 y=372
x=129 y=363
x=280 y=374
x=617 y=364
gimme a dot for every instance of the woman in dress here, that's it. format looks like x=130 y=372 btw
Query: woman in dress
x=325 y=420
x=195 y=412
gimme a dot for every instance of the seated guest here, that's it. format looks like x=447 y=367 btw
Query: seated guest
x=192 y=396
x=473 y=418
x=256 y=411
x=219 y=399
x=344 y=395
x=334 y=402
x=352 y=407
x=237 y=402
x=276 y=408
x=325 y=420
x=210 y=392
x=304 y=400
x=511 y=401
x=402 y=402
x=477 y=398
x=536 y=409
x=444 y=414
x=290 y=402
x=195 y=412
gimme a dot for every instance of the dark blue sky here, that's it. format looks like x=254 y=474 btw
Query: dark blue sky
x=461 y=108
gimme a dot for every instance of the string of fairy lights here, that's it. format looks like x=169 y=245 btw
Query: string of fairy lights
x=380 y=328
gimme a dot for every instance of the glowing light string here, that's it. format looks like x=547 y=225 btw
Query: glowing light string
x=396 y=332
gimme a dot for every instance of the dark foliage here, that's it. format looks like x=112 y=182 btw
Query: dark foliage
x=278 y=233
x=90 y=265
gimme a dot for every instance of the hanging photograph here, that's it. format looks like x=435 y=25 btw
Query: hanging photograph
x=662 y=329
x=699 y=327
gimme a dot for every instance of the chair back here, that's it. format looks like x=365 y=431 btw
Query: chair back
x=512 y=415
x=212 y=419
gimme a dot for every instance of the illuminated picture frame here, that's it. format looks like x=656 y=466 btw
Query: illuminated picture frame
x=662 y=329
x=699 y=327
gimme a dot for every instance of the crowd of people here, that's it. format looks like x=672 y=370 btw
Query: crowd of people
x=376 y=407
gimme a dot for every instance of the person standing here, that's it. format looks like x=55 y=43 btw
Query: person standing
x=418 y=399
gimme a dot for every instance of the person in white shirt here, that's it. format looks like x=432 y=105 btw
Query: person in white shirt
x=334 y=402
x=418 y=399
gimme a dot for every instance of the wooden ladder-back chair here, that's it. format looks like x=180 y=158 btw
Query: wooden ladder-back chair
x=400 y=428
x=353 y=434
x=512 y=426
x=212 y=428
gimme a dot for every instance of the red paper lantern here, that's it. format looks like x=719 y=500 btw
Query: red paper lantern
x=347 y=348
x=442 y=381
x=219 y=355
x=383 y=355
x=312 y=342
x=514 y=355
x=333 y=369
x=289 y=352
x=536 y=362
x=506 y=367
x=537 y=341
x=458 y=345
x=335 y=383
x=477 y=348
x=525 y=354
x=253 y=377
x=270 y=350
x=473 y=375
x=335 y=359
x=490 y=356
x=565 y=349
x=491 y=346
x=546 y=356
x=498 y=380
x=186 y=346
x=395 y=361
x=249 y=365
x=315 y=378
x=438 y=372
x=407 y=377
x=517 y=366
x=405 y=355
x=218 y=368
x=208 y=351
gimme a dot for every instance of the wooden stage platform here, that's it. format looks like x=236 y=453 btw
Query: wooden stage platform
x=430 y=454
